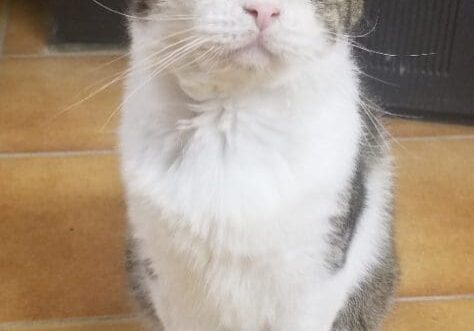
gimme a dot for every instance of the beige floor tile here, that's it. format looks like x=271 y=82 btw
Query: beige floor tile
x=432 y=316
x=435 y=217
x=27 y=29
x=35 y=99
x=401 y=128
x=61 y=238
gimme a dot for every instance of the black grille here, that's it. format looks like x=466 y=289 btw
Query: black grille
x=414 y=27
x=434 y=43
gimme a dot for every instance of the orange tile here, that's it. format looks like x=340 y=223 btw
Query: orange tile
x=401 y=128
x=61 y=238
x=435 y=217
x=27 y=29
x=432 y=316
x=35 y=94
x=85 y=326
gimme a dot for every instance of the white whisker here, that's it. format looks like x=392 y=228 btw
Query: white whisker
x=162 y=65
x=144 y=65
x=170 y=18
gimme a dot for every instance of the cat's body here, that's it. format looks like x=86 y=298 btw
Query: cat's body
x=259 y=198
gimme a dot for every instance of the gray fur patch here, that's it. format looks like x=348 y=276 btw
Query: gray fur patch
x=141 y=7
x=367 y=306
x=353 y=201
x=344 y=226
x=340 y=15
x=138 y=271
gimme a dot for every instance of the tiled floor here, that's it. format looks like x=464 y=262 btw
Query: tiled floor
x=61 y=207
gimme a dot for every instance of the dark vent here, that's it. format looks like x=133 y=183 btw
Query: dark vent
x=408 y=27
x=433 y=70
x=85 y=22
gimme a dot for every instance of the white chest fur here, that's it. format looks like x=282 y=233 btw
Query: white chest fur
x=235 y=194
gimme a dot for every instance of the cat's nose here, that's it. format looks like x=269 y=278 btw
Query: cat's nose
x=263 y=12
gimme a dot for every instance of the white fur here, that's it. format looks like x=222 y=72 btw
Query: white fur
x=231 y=185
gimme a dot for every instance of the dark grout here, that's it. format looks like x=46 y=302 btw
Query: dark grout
x=70 y=153
x=56 y=154
x=437 y=138
x=48 y=54
x=5 y=11
x=435 y=298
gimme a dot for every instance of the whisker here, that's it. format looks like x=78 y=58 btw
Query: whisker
x=126 y=54
x=363 y=35
x=199 y=58
x=344 y=39
x=212 y=61
x=358 y=46
x=370 y=109
x=163 y=64
x=377 y=125
x=384 y=111
x=171 y=60
x=359 y=71
x=372 y=29
x=148 y=57
x=170 y=18
x=366 y=105
x=118 y=77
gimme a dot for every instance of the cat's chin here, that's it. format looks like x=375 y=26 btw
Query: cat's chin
x=254 y=56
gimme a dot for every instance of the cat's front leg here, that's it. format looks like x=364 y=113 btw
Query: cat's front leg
x=182 y=326
x=317 y=309
x=305 y=324
x=174 y=321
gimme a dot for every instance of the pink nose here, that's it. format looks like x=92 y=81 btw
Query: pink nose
x=264 y=13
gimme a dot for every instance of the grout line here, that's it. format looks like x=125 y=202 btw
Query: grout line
x=437 y=138
x=4 y=156
x=20 y=155
x=435 y=298
x=4 y=24
x=47 y=54
x=83 y=321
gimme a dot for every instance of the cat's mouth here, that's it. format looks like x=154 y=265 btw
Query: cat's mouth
x=254 y=53
x=255 y=46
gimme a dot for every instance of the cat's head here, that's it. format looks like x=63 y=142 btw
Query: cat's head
x=250 y=34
